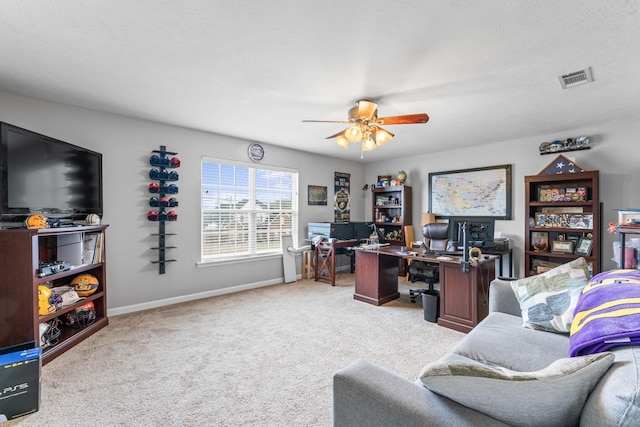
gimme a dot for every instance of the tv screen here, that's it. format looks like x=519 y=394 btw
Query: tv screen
x=40 y=174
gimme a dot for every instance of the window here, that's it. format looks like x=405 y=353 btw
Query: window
x=246 y=209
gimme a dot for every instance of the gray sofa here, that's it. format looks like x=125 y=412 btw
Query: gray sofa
x=367 y=395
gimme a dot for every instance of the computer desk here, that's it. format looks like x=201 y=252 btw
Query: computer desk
x=325 y=259
x=464 y=297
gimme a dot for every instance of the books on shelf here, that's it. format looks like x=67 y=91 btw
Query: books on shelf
x=93 y=245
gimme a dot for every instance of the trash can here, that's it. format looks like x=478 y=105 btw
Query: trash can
x=431 y=305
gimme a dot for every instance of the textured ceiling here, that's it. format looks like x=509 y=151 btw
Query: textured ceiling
x=484 y=71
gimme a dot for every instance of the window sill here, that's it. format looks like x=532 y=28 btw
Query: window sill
x=236 y=260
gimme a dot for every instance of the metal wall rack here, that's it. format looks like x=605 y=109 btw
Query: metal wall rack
x=162 y=186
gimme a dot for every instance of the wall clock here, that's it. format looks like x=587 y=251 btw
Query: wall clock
x=256 y=152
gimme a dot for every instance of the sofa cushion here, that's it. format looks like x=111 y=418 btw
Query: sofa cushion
x=615 y=401
x=501 y=340
x=549 y=299
x=552 y=396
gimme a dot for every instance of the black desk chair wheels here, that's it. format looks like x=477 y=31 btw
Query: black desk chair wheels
x=422 y=271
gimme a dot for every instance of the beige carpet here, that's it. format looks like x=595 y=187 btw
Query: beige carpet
x=263 y=357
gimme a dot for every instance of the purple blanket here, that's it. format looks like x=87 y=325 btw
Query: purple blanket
x=607 y=314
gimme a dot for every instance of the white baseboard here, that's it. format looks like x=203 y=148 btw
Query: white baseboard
x=191 y=297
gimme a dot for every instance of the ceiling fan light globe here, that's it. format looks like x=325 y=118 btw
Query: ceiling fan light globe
x=342 y=142
x=354 y=134
x=368 y=145
x=382 y=136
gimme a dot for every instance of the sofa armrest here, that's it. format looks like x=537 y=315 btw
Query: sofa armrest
x=502 y=298
x=367 y=395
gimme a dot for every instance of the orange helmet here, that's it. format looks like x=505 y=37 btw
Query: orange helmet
x=36 y=221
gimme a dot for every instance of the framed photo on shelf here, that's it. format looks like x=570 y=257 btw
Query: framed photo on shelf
x=562 y=246
x=540 y=241
x=584 y=247
x=384 y=180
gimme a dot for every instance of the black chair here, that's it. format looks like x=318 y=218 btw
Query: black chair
x=435 y=239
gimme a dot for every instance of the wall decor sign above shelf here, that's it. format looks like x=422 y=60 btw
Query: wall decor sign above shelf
x=569 y=144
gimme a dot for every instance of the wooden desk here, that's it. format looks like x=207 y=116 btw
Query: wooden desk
x=376 y=277
x=464 y=297
x=325 y=259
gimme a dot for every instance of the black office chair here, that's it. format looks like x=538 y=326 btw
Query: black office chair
x=436 y=235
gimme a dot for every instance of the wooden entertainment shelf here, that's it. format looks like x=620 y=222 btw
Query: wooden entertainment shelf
x=21 y=251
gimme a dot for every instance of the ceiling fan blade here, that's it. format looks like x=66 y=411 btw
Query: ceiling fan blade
x=408 y=119
x=367 y=109
x=326 y=121
x=342 y=132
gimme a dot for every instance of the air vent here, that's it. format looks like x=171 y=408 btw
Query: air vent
x=576 y=78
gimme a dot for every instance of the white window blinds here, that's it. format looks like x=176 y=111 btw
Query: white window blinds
x=246 y=209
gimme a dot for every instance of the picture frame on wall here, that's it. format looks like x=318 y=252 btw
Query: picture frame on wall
x=584 y=247
x=488 y=187
x=317 y=195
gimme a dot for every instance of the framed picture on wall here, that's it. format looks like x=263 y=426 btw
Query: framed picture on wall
x=317 y=195
x=484 y=192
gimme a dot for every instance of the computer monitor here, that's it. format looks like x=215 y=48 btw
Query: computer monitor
x=480 y=231
x=361 y=230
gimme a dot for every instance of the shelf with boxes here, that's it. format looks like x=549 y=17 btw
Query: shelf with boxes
x=163 y=199
x=563 y=221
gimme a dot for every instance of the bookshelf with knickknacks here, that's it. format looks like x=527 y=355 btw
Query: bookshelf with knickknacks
x=563 y=224
x=53 y=286
x=391 y=212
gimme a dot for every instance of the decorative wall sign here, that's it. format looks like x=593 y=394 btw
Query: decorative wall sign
x=317 y=195
x=342 y=197
x=256 y=152
x=484 y=192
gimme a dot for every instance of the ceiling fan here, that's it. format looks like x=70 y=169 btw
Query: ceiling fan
x=366 y=126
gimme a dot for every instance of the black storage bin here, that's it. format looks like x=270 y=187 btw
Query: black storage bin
x=431 y=305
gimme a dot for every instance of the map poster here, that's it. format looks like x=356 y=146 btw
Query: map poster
x=482 y=192
x=342 y=197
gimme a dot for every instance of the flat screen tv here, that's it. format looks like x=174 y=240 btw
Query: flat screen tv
x=40 y=174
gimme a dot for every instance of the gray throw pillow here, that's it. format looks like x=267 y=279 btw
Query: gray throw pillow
x=553 y=396
x=548 y=300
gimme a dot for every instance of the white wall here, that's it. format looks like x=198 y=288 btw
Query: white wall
x=126 y=144
x=614 y=153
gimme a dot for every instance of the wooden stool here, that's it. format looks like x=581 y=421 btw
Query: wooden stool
x=307 y=264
